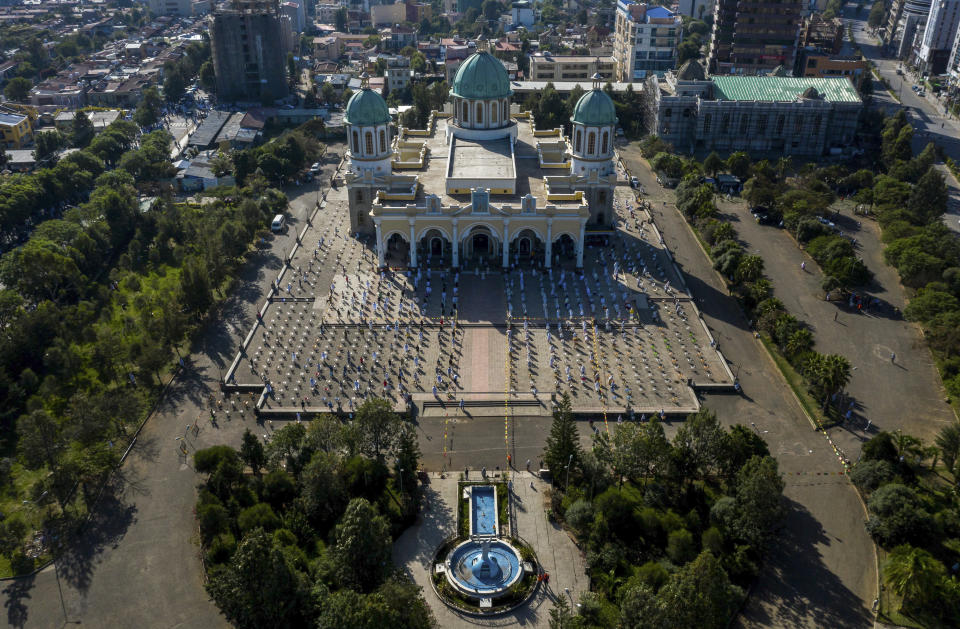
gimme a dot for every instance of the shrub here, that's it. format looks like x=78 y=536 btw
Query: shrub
x=897 y=516
x=206 y=461
x=259 y=515
x=651 y=574
x=222 y=548
x=870 y=475
x=680 y=547
x=579 y=516
x=712 y=540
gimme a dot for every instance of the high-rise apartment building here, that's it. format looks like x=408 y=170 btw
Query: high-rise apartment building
x=248 y=55
x=932 y=50
x=645 y=41
x=754 y=36
x=907 y=18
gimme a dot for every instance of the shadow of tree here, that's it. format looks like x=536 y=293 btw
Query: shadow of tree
x=796 y=587
x=16 y=593
x=112 y=516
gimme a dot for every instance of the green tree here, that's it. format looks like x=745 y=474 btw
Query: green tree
x=563 y=443
x=259 y=587
x=82 y=131
x=208 y=77
x=324 y=493
x=408 y=459
x=713 y=164
x=361 y=554
x=148 y=110
x=914 y=574
x=47 y=144
x=928 y=200
x=698 y=596
x=340 y=19
x=878 y=14
x=897 y=516
x=621 y=451
x=252 y=453
x=378 y=427
x=949 y=443
x=18 y=89
x=174 y=81
x=739 y=164
x=560 y=615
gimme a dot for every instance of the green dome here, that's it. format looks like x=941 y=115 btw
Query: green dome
x=366 y=108
x=481 y=76
x=595 y=109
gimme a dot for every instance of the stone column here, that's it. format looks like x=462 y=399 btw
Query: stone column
x=456 y=245
x=413 y=246
x=506 y=243
x=548 y=256
x=580 y=244
x=380 y=245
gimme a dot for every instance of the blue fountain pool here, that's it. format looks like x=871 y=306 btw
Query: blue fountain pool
x=483 y=508
x=488 y=575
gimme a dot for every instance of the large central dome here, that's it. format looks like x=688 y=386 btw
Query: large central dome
x=481 y=76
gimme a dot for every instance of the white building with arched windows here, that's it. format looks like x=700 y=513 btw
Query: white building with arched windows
x=480 y=186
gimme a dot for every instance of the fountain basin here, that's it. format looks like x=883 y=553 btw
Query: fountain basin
x=484 y=568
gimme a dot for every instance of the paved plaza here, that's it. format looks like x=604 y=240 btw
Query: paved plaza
x=622 y=335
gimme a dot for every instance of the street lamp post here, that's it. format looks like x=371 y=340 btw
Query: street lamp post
x=567 y=485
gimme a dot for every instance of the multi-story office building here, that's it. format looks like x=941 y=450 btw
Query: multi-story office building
x=548 y=67
x=646 y=40
x=932 y=50
x=177 y=8
x=248 y=52
x=754 y=36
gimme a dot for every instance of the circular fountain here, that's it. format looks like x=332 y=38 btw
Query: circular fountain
x=483 y=568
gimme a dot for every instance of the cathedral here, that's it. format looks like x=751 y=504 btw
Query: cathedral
x=480 y=186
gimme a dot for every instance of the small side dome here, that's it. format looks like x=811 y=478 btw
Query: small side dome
x=366 y=108
x=481 y=76
x=691 y=71
x=810 y=93
x=595 y=109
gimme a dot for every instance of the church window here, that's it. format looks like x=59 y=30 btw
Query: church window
x=591 y=142
x=383 y=141
x=356 y=142
x=359 y=196
x=579 y=140
x=479 y=113
x=369 y=143
x=603 y=145
x=466 y=112
x=493 y=113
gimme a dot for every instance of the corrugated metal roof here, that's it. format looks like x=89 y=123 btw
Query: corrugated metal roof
x=782 y=88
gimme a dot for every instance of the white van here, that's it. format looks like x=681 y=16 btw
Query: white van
x=279 y=224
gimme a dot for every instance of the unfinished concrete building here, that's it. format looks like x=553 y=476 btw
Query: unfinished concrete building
x=760 y=114
x=248 y=58
x=754 y=36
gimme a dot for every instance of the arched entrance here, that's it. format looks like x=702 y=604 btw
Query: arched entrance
x=397 y=250
x=435 y=248
x=564 y=250
x=480 y=244
x=526 y=247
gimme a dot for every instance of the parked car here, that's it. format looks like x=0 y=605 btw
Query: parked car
x=634 y=182
x=315 y=168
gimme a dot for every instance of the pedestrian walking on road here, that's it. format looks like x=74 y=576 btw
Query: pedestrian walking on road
x=803 y=266
x=893 y=357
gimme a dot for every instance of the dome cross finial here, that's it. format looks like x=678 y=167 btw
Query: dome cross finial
x=364 y=81
x=596 y=80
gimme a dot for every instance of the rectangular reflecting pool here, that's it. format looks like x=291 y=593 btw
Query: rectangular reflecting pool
x=483 y=510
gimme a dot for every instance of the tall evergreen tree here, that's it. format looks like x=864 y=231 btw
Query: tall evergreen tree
x=563 y=444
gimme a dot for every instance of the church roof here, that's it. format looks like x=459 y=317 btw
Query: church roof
x=595 y=108
x=481 y=76
x=365 y=108
x=691 y=71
